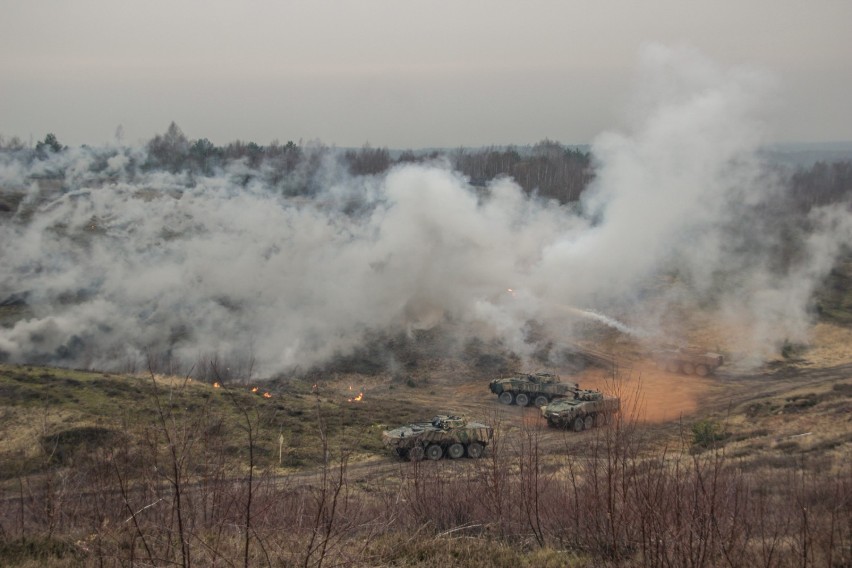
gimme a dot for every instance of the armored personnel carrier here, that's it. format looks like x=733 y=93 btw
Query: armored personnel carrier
x=687 y=360
x=588 y=408
x=538 y=388
x=443 y=435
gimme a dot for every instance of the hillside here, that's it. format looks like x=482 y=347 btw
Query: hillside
x=106 y=468
x=252 y=319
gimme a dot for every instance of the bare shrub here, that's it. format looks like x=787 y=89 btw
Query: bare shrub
x=170 y=491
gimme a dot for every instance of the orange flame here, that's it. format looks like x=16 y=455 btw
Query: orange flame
x=358 y=398
x=216 y=385
x=267 y=395
x=254 y=389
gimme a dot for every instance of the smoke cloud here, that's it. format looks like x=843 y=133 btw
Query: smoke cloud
x=115 y=262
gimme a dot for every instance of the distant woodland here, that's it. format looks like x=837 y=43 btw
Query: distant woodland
x=548 y=169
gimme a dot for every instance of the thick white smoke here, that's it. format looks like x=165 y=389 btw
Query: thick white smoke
x=113 y=265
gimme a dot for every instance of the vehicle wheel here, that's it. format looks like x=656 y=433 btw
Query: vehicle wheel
x=601 y=419
x=522 y=399
x=506 y=397
x=688 y=369
x=416 y=453
x=541 y=400
x=589 y=422
x=702 y=370
x=434 y=452
x=455 y=451
x=475 y=450
x=579 y=424
x=673 y=367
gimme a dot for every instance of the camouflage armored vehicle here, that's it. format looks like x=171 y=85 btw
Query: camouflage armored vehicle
x=589 y=408
x=688 y=360
x=538 y=388
x=449 y=435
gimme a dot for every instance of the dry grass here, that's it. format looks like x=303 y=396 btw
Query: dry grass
x=626 y=495
x=809 y=426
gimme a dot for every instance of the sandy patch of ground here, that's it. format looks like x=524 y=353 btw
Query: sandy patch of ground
x=651 y=394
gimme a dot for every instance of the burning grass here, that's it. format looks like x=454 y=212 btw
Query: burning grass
x=41 y=404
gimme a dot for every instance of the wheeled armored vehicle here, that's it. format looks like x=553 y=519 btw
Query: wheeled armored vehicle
x=588 y=409
x=688 y=361
x=538 y=388
x=443 y=435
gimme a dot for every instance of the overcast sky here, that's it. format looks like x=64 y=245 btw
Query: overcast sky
x=395 y=73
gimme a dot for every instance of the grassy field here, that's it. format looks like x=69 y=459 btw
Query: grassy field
x=104 y=469
x=50 y=417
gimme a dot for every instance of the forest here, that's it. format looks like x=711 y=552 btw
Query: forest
x=548 y=169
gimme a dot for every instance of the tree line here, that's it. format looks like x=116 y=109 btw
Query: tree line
x=547 y=169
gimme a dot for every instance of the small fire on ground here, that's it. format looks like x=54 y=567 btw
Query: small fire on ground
x=255 y=390
x=357 y=398
x=265 y=394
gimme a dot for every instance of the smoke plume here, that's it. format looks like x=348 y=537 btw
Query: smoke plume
x=114 y=261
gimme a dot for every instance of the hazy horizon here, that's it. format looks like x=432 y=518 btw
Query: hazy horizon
x=395 y=75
